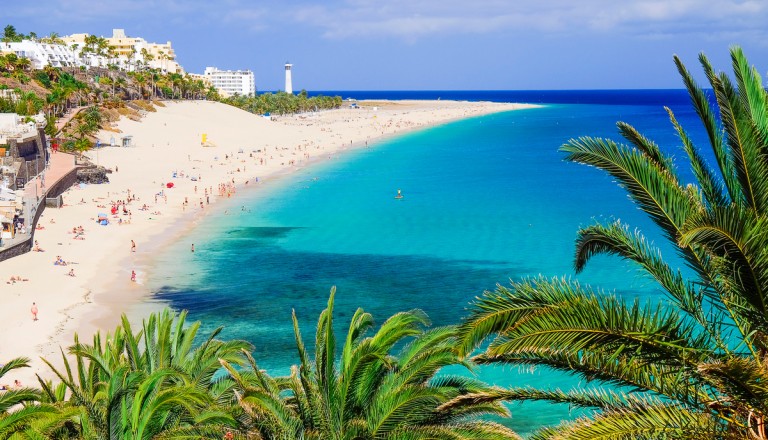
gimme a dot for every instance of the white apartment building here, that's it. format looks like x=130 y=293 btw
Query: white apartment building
x=42 y=54
x=231 y=82
x=130 y=51
x=12 y=126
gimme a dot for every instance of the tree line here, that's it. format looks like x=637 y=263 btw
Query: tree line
x=282 y=103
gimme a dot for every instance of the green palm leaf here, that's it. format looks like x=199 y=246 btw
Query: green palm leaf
x=640 y=421
x=711 y=186
x=696 y=366
x=703 y=108
x=653 y=189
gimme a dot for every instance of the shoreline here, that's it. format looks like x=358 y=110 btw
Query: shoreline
x=188 y=223
x=102 y=290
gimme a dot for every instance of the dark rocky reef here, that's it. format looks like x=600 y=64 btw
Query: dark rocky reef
x=91 y=175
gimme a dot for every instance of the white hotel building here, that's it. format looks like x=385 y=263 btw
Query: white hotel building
x=230 y=82
x=42 y=54
x=128 y=53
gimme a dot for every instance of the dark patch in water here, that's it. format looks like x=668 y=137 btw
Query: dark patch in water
x=264 y=232
x=255 y=302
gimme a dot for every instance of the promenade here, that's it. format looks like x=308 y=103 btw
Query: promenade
x=71 y=113
x=36 y=190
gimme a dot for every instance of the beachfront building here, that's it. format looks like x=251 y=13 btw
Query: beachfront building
x=200 y=77
x=22 y=148
x=41 y=55
x=129 y=53
x=288 y=79
x=11 y=206
x=231 y=82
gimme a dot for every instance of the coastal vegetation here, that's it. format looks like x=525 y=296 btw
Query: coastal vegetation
x=283 y=103
x=166 y=381
x=693 y=366
x=10 y=34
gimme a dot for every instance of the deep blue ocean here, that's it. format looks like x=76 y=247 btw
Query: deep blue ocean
x=486 y=200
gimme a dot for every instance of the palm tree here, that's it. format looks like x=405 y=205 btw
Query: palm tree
x=154 y=383
x=20 y=410
x=694 y=367
x=52 y=38
x=146 y=56
x=23 y=64
x=10 y=34
x=132 y=59
x=383 y=386
x=162 y=56
x=28 y=103
x=55 y=99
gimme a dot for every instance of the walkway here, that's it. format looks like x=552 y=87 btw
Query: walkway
x=71 y=113
x=59 y=165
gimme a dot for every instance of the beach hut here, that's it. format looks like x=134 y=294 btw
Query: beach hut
x=126 y=140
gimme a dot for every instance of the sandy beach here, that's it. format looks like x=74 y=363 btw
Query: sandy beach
x=95 y=286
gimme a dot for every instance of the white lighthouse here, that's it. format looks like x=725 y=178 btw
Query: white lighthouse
x=288 y=83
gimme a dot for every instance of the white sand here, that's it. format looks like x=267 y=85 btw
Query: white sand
x=167 y=141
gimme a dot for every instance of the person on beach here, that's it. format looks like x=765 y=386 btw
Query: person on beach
x=34 y=311
x=193 y=247
x=133 y=246
x=71 y=272
x=133 y=275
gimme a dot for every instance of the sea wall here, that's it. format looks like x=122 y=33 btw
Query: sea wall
x=35 y=211
x=30 y=153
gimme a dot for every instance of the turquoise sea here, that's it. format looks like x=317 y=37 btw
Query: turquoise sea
x=486 y=200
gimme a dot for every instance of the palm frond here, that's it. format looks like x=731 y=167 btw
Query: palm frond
x=653 y=189
x=744 y=381
x=750 y=158
x=615 y=239
x=711 y=186
x=736 y=239
x=701 y=104
x=640 y=421
x=581 y=398
x=607 y=370
x=13 y=364
x=561 y=314
x=648 y=147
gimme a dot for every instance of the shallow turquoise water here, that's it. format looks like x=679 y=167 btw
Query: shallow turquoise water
x=485 y=200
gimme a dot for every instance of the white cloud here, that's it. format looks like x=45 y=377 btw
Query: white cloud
x=412 y=19
x=88 y=12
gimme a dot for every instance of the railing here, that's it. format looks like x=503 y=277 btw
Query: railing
x=34 y=205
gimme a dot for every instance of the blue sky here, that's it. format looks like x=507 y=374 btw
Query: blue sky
x=426 y=44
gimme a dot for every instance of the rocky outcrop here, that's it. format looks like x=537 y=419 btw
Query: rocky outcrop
x=95 y=175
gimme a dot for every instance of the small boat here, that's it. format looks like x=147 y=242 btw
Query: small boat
x=399 y=195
